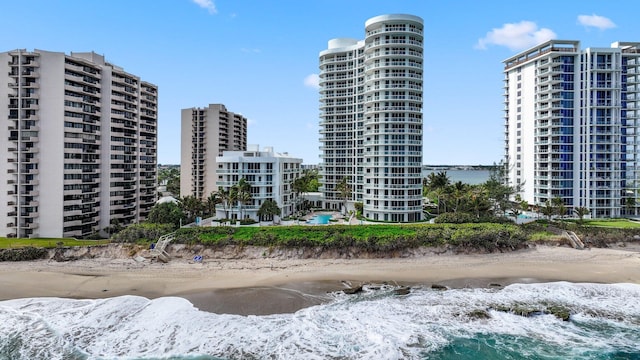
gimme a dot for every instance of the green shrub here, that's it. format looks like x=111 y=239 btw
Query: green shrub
x=22 y=254
x=466 y=218
x=372 y=238
x=144 y=232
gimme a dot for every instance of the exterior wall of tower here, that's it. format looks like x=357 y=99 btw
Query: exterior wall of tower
x=148 y=181
x=64 y=119
x=205 y=134
x=583 y=140
x=371 y=119
x=51 y=109
x=630 y=119
x=341 y=78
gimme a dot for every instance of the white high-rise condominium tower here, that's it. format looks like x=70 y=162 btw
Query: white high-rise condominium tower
x=571 y=125
x=79 y=136
x=371 y=119
x=205 y=134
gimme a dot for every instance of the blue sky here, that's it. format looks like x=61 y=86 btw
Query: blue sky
x=260 y=58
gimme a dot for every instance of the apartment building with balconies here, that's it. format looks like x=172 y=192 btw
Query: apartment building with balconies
x=205 y=134
x=270 y=176
x=72 y=140
x=571 y=125
x=371 y=119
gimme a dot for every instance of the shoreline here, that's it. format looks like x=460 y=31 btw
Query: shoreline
x=266 y=286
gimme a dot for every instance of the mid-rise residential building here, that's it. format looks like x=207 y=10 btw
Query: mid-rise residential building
x=79 y=139
x=205 y=134
x=270 y=176
x=371 y=119
x=571 y=125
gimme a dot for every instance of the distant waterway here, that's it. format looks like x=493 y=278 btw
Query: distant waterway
x=473 y=177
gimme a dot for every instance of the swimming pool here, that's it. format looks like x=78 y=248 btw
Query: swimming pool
x=319 y=219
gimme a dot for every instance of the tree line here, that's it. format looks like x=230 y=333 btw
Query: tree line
x=233 y=200
x=491 y=198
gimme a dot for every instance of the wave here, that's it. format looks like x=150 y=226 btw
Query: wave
x=375 y=324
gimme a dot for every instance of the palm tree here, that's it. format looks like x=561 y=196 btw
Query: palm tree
x=581 y=212
x=629 y=203
x=524 y=205
x=244 y=198
x=559 y=206
x=440 y=198
x=548 y=210
x=298 y=186
x=269 y=209
x=438 y=180
x=438 y=184
x=191 y=206
x=516 y=207
x=233 y=197
x=344 y=190
x=478 y=200
x=241 y=193
x=211 y=202
x=225 y=198
x=459 y=191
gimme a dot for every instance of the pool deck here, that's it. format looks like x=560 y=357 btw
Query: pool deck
x=336 y=219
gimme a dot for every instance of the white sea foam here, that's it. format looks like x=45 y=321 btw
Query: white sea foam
x=373 y=325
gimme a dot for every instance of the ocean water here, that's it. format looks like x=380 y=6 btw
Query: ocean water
x=472 y=177
x=375 y=324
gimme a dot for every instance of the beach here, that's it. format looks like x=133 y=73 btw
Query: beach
x=269 y=285
x=256 y=303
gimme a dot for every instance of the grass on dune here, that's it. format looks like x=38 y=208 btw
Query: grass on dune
x=612 y=223
x=12 y=243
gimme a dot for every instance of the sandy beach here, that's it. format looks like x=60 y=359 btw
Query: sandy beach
x=263 y=286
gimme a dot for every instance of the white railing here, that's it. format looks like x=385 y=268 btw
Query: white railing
x=159 y=249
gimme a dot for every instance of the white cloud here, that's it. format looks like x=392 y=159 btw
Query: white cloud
x=207 y=4
x=596 y=21
x=251 y=122
x=517 y=36
x=312 y=81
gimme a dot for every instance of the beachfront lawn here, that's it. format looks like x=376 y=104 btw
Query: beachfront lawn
x=13 y=243
x=612 y=223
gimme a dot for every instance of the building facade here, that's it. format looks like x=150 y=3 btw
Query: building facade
x=80 y=139
x=371 y=119
x=270 y=176
x=571 y=125
x=205 y=134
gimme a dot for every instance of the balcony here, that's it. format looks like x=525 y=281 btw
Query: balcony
x=34 y=214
